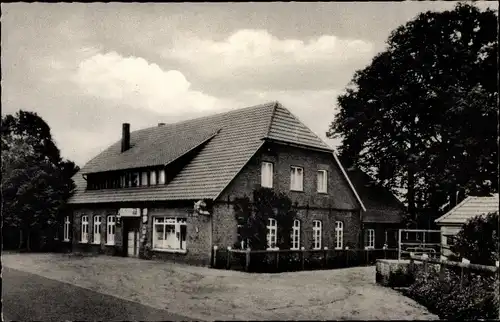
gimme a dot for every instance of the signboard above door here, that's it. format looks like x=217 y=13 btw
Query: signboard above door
x=129 y=212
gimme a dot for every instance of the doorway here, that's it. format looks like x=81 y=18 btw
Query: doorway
x=131 y=237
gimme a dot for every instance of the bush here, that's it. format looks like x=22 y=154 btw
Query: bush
x=478 y=240
x=476 y=299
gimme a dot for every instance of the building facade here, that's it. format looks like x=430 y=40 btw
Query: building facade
x=169 y=191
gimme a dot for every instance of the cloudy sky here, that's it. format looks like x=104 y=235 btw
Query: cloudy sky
x=87 y=68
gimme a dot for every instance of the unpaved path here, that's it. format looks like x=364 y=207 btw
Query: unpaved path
x=210 y=294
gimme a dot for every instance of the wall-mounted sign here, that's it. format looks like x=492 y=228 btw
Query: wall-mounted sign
x=129 y=212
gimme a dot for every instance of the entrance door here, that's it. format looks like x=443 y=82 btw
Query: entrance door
x=133 y=243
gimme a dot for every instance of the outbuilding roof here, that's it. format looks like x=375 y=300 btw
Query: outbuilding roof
x=470 y=207
x=227 y=141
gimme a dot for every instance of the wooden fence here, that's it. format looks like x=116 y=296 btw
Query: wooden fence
x=296 y=260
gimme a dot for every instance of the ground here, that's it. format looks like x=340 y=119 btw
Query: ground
x=210 y=294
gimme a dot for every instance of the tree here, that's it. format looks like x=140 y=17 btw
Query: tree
x=423 y=115
x=478 y=240
x=252 y=218
x=36 y=182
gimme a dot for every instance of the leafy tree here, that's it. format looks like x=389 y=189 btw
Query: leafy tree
x=36 y=182
x=478 y=240
x=252 y=218
x=423 y=115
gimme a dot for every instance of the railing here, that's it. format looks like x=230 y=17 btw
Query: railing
x=298 y=259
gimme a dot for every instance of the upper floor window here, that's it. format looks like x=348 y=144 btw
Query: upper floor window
x=295 y=234
x=144 y=178
x=266 y=175
x=322 y=181
x=152 y=177
x=272 y=233
x=316 y=234
x=161 y=176
x=85 y=229
x=297 y=179
x=339 y=235
x=134 y=179
x=370 y=238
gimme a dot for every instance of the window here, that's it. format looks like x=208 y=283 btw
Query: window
x=97 y=230
x=85 y=229
x=169 y=234
x=322 y=181
x=295 y=235
x=272 y=233
x=339 y=234
x=144 y=179
x=111 y=225
x=316 y=234
x=152 y=177
x=266 y=175
x=134 y=179
x=67 y=227
x=123 y=181
x=161 y=176
x=296 y=179
x=370 y=238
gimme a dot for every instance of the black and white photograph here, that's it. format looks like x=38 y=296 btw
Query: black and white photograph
x=208 y=161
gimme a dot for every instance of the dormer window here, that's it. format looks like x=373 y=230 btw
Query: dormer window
x=144 y=178
x=152 y=177
x=161 y=177
x=134 y=179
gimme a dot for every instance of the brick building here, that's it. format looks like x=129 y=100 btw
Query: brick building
x=142 y=190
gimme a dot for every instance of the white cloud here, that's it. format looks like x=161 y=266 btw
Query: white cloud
x=254 y=48
x=134 y=82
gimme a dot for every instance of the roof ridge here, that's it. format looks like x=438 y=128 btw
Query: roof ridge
x=276 y=103
x=301 y=123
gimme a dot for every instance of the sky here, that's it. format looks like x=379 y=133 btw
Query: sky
x=88 y=68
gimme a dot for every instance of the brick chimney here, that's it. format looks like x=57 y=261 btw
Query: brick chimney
x=125 y=137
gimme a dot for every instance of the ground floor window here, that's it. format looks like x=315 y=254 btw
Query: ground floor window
x=169 y=233
x=316 y=234
x=97 y=229
x=67 y=228
x=339 y=235
x=272 y=233
x=370 y=238
x=111 y=226
x=85 y=229
x=295 y=236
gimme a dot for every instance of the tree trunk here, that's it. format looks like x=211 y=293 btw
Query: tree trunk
x=411 y=192
x=20 y=238
x=28 y=241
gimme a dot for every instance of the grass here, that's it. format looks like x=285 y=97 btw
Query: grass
x=211 y=294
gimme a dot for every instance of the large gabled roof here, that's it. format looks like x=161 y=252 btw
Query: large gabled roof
x=227 y=141
x=469 y=207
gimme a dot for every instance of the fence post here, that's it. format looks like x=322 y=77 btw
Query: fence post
x=302 y=253
x=411 y=267
x=247 y=260
x=442 y=269
x=346 y=256
x=384 y=248
x=426 y=266
x=462 y=269
x=228 y=264
x=277 y=259
x=325 y=250
x=214 y=260
x=367 y=260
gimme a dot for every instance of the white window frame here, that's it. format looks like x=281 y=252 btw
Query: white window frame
x=272 y=233
x=67 y=228
x=339 y=235
x=178 y=246
x=162 y=178
x=370 y=238
x=152 y=178
x=266 y=174
x=84 y=229
x=144 y=178
x=322 y=186
x=96 y=229
x=296 y=179
x=295 y=235
x=317 y=232
x=110 y=229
